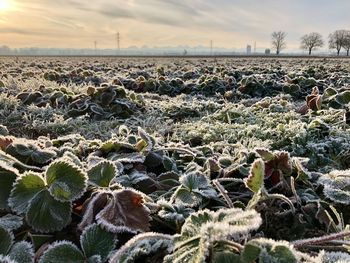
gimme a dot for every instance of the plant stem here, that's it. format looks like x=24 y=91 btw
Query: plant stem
x=238 y=247
x=320 y=240
x=284 y=198
x=223 y=193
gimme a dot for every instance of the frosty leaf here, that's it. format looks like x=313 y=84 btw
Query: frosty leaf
x=62 y=251
x=255 y=180
x=147 y=142
x=117 y=211
x=96 y=244
x=202 y=229
x=268 y=250
x=8 y=176
x=335 y=257
x=127 y=157
x=22 y=252
x=103 y=173
x=6 y=241
x=11 y=222
x=343 y=97
x=174 y=213
x=142 y=245
x=3 y=129
x=265 y=154
x=226 y=257
x=337 y=186
x=46 y=214
x=5 y=141
x=6 y=259
x=96 y=241
x=30 y=153
x=303 y=174
x=24 y=190
x=194 y=188
x=66 y=181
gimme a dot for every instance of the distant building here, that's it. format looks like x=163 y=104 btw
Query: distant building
x=249 y=49
x=267 y=51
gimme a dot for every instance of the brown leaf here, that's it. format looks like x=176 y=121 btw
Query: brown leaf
x=117 y=211
x=125 y=212
x=5 y=141
x=303 y=109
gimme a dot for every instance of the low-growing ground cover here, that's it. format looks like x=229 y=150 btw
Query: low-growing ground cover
x=174 y=160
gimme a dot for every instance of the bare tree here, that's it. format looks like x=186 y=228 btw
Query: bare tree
x=279 y=41
x=311 y=41
x=336 y=40
x=346 y=44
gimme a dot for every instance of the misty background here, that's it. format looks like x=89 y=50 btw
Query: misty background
x=68 y=27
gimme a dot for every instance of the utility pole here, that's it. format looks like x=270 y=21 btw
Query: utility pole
x=211 y=47
x=117 y=38
x=95 y=43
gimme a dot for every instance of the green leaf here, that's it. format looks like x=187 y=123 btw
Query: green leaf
x=255 y=180
x=66 y=181
x=147 y=142
x=226 y=257
x=192 y=245
x=46 y=214
x=6 y=241
x=265 y=154
x=22 y=252
x=25 y=189
x=250 y=252
x=142 y=245
x=6 y=259
x=336 y=186
x=270 y=251
x=3 y=129
x=62 y=251
x=343 y=98
x=11 y=222
x=29 y=152
x=96 y=241
x=194 y=188
x=8 y=176
x=103 y=173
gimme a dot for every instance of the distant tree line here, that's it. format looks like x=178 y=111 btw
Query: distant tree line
x=338 y=40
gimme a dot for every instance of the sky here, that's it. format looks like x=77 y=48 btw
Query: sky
x=229 y=23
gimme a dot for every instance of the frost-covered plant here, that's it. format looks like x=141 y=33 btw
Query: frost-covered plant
x=174 y=212
x=334 y=257
x=267 y=250
x=96 y=247
x=8 y=176
x=28 y=152
x=142 y=245
x=46 y=199
x=194 y=189
x=118 y=211
x=255 y=182
x=205 y=232
x=336 y=186
x=103 y=173
x=277 y=164
x=20 y=252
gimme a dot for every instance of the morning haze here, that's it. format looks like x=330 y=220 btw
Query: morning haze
x=230 y=24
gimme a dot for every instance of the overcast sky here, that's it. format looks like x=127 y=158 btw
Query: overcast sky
x=229 y=23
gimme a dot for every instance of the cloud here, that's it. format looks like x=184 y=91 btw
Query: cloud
x=169 y=22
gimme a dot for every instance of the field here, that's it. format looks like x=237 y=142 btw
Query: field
x=174 y=160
